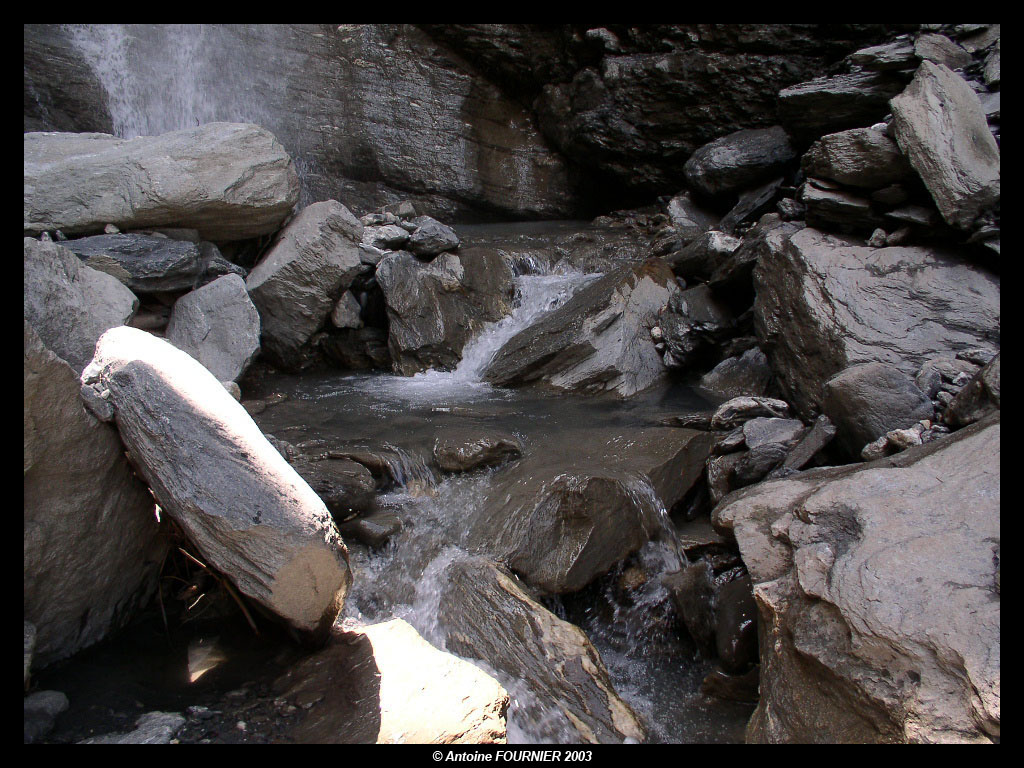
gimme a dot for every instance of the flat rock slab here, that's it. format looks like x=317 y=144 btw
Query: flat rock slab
x=598 y=341
x=384 y=684
x=824 y=304
x=92 y=544
x=70 y=305
x=940 y=125
x=230 y=181
x=144 y=263
x=561 y=523
x=878 y=591
x=151 y=728
x=297 y=283
x=250 y=515
x=562 y=682
x=219 y=326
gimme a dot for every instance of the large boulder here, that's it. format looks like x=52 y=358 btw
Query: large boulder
x=860 y=157
x=560 y=523
x=434 y=308
x=144 y=263
x=230 y=181
x=384 y=684
x=563 y=689
x=93 y=546
x=878 y=592
x=866 y=401
x=835 y=103
x=740 y=160
x=219 y=326
x=824 y=304
x=598 y=341
x=70 y=305
x=300 y=279
x=940 y=124
x=247 y=512
x=978 y=397
x=746 y=374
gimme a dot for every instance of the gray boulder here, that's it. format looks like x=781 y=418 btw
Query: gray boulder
x=878 y=592
x=688 y=219
x=144 y=263
x=746 y=374
x=939 y=49
x=830 y=104
x=824 y=304
x=431 y=237
x=230 y=181
x=692 y=319
x=297 y=283
x=703 y=254
x=860 y=157
x=462 y=451
x=561 y=522
x=92 y=544
x=866 y=401
x=69 y=304
x=219 y=326
x=346 y=312
x=419 y=695
x=978 y=397
x=598 y=341
x=434 y=308
x=41 y=711
x=940 y=125
x=562 y=683
x=739 y=160
x=387 y=237
x=247 y=512
x=837 y=210
x=740 y=410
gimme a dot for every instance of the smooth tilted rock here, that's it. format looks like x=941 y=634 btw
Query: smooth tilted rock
x=461 y=451
x=230 y=181
x=866 y=401
x=297 y=283
x=434 y=308
x=431 y=237
x=92 y=544
x=763 y=431
x=144 y=263
x=69 y=304
x=151 y=728
x=486 y=614
x=939 y=49
x=219 y=326
x=739 y=160
x=747 y=374
x=248 y=513
x=860 y=157
x=598 y=341
x=824 y=304
x=940 y=124
x=559 y=523
x=384 y=684
x=878 y=592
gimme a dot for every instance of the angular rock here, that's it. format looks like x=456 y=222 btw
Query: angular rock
x=838 y=210
x=693 y=594
x=431 y=237
x=219 y=326
x=230 y=181
x=740 y=410
x=486 y=614
x=739 y=160
x=388 y=237
x=559 y=523
x=214 y=264
x=151 y=728
x=751 y=204
x=819 y=435
x=298 y=281
x=736 y=625
x=688 y=219
x=374 y=530
x=92 y=545
x=830 y=104
x=899 y=54
x=598 y=341
x=824 y=304
x=762 y=431
x=702 y=255
x=866 y=401
x=249 y=514
x=979 y=396
x=692 y=320
x=69 y=304
x=940 y=125
x=939 y=49
x=747 y=374
x=462 y=452
x=434 y=308
x=877 y=588
x=385 y=684
x=721 y=685
x=144 y=263
x=346 y=312
x=732 y=275
x=860 y=157
x=343 y=485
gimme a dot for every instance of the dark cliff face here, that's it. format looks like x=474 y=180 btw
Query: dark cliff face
x=471 y=121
